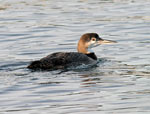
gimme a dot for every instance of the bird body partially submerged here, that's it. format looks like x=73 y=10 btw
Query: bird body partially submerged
x=63 y=60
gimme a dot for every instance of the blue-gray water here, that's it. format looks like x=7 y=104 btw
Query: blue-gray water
x=31 y=29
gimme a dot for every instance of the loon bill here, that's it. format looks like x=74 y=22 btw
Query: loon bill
x=62 y=60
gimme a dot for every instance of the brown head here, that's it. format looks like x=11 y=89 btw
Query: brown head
x=90 y=40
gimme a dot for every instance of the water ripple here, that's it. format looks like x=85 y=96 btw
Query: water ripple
x=30 y=30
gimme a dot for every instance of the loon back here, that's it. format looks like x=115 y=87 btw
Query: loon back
x=62 y=60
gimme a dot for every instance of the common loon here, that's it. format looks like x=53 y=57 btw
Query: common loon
x=63 y=60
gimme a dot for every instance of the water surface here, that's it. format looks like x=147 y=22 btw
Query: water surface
x=33 y=29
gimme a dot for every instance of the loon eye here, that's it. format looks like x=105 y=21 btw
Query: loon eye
x=93 y=39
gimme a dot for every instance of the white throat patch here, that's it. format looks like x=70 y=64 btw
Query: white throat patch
x=91 y=45
x=90 y=50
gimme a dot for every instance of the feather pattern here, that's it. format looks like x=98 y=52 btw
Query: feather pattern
x=61 y=60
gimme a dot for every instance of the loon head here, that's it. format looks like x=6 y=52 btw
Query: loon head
x=90 y=40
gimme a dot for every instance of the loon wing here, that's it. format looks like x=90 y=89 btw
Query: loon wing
x=61 y=60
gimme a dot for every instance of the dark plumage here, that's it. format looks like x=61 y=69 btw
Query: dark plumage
x=63 y=60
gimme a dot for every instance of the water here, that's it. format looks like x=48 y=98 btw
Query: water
x=31 y=29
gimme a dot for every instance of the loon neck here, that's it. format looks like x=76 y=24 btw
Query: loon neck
x=82 y=46
x=92 y=55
